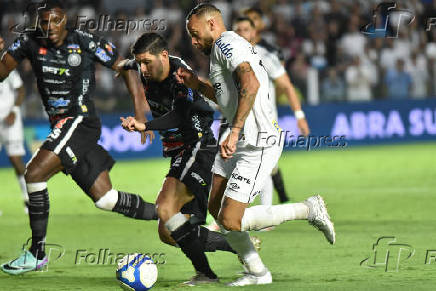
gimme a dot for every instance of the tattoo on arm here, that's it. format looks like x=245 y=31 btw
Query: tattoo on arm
x=247 y=85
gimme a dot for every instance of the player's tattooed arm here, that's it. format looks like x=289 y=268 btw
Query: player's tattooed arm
x=247 y=85
x=7 y=62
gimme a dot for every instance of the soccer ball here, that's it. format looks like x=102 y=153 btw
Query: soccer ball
x=136 y=272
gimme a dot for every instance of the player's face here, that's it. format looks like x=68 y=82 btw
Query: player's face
x=53 y=24
x=257 y=20
x=151 y=66
x=201 y=36
x=244 y=29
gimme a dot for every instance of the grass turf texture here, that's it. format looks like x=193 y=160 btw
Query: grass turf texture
x=371 y=192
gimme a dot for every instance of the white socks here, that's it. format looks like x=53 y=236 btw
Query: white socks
x=266 y=194
x=23 y=188
x=261 y=216
x=108 y=201
x=241 y=243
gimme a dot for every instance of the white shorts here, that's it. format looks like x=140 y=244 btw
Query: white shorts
x=247 y=171
x=12 y=137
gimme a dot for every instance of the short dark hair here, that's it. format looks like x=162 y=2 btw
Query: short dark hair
x=201 y=9
x=151 y=42
x=256 y=10
x=50 y=4
x=244 y=18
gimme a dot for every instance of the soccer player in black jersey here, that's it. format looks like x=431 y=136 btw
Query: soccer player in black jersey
x=64 y=64
x=191 y=146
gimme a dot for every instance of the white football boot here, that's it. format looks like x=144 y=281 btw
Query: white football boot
x=319 y=218
x=251 y=279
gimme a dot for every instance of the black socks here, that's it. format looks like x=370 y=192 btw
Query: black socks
x=134 y=206
x=214 y=241
x=38 y=206
x=187 y=237
x=279 y=185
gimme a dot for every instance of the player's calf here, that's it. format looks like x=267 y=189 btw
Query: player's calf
x=130 y=205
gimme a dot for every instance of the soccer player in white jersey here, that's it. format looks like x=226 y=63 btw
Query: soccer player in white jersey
x=278 y=80
x=273 y=61
x=11 y=126
x=250 y=149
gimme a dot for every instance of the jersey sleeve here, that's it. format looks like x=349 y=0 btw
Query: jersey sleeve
x=273 y=66
x=20 y=48
x=103 y=51
x=231 y=52
x=15 y=79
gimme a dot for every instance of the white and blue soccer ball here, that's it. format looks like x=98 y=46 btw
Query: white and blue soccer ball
x=136 y=272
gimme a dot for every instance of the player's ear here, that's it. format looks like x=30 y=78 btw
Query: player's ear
x=164 y=54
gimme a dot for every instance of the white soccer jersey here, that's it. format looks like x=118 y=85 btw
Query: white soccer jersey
x=274 y=68
x=7 y=93
x=229 y=51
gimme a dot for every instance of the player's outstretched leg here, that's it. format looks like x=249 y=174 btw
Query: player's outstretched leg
x=40 y=169
x=185 y=232
x=312 y=209
x=279 y=185
x=130 y=205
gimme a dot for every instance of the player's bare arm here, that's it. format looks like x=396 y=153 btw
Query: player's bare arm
x=191 y=80
x=7 y=62
x=136 y=91
x=247 y=85
x=284 y=86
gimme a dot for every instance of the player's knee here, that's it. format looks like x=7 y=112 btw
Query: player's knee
x=108 y=200
x=229 y=223
x=165 y=211
x=33 y=175
x=166 y=238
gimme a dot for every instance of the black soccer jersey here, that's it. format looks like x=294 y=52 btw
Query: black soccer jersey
x=169 y=95
x=66 y=74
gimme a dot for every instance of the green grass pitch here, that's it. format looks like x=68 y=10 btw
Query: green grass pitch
x=370 y=191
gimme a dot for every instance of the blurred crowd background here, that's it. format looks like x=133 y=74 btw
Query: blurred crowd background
x=321 y=42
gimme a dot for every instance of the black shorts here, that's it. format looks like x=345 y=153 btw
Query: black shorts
x=193 y=167
x=74 y=141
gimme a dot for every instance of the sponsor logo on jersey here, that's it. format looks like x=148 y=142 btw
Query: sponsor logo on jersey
x=51 y=81
x=234 y=186
x=92 y=46
x=61 y=102
x=62 y=122
x=56 y=71
x=102 y=55
x=71 y=155
x=224 y=48
x=198 y=178
x=217 y=87
x=42 y=51
x=109 y=47
x=73 y=46
x=15 y=45
x=177 y=162
x=238 y=177
x=74 y=60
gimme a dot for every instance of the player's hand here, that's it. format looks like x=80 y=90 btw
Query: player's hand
x=131 y=124
x=187 y=77
x=10 y=119
x=228 y=146
x=145 y=134
x=303 y=126
x=2 y=43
